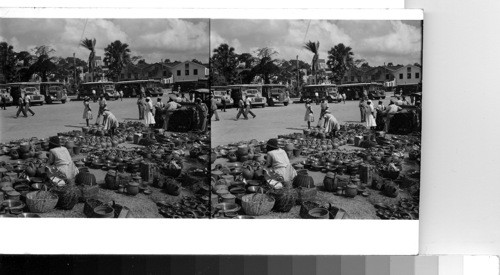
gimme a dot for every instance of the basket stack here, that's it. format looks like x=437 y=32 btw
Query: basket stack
x=257 y=204
x=41 y=201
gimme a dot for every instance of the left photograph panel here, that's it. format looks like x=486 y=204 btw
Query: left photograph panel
x=104 y=118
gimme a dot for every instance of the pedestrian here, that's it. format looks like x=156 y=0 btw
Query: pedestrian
x=241 y=109
x=324 y=106
x=21 y=107
x=4 y=100
x=159 y=107
x=149 y=119
x=213 y=103
x=27 y=104
x=277 y=159
x=248 y=106
x=169 y=110
x=87 y=111
x=392 y=109
x=223 y=100
x=343 y=96
x=370 y=115
x=316 y=98
x=102 y=105
x=121 y=94
x=331 y=124
x=309 y=117
x=140 y=105
x=362 y=109
x=110 y=122
x=404 y=102
x=94 y=95
x=380 y=115
x=399 y=102
x=204 y=113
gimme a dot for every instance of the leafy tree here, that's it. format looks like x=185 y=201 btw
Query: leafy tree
x=8 y=61
x=265 y=65
x=196 y=61
x=117 y=55
x=66 y=68
x=390 y=64
x=247 y=59
x=314 y=48
x=45 y=64
x=136 y=58
x=340 y=60
x=89 y=44
x=224 y=62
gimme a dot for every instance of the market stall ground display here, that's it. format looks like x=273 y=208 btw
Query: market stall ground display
x=360 y=174
x=137 y=173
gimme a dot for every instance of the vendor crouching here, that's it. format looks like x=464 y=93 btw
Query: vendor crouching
x=331 y=125
x=60 y=160
x=110 y=122
x=278 y=161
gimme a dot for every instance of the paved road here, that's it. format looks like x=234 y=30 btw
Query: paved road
x=53 y=118
x=273 y=121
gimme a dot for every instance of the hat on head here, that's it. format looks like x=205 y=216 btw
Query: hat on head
x=273 y=143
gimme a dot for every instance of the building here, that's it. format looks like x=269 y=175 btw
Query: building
x=398 y=75
x=189 y=75
x=157 y=71
x=408 y=75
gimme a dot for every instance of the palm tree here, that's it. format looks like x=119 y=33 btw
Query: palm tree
x=117 y=55
x=314 y=48
x=89 y=44
x=340 y=60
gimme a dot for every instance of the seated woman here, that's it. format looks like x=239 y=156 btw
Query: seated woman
x=277 y=159
x=60 y=160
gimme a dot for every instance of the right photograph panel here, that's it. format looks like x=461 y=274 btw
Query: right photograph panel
x=316 y=119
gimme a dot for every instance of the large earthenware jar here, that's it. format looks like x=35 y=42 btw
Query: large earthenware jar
x=330 y=182
x=303 y=180
x=351 y=191
x=133 y=188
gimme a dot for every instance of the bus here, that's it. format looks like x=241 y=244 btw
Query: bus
x=5 y=94
x=328 y=91
x=355 y=91
x=252 y=91
x=106 y=87
x=31 y=89
x=53 y=91
x=131 y=88
x=275 y=94
x=222 y=92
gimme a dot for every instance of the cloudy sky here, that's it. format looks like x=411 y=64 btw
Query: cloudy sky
x=153 y=39
x=375 y=41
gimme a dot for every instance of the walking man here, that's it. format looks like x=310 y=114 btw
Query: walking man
x=27 y=105
x=121 y=94
x=223 y=100
x=213 y=107
x=248 y=106
x=94 y=96
x=343 y=96
x=20 y=107
x=241 y=109
x=4 y=100
x=362 y=109
x=102 y=107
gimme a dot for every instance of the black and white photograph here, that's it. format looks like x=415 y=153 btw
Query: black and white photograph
x=316 y=119
x=104 y=118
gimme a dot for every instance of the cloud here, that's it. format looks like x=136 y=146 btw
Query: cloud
x=375 y=41
x=153 y=39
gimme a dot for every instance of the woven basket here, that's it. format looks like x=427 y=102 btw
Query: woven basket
x=90 y=204
x=259 y=207
x=36 y=205
x=85 y=178
x=306 y=194
x=285 y=199
x=68 y=196
x=88 y=192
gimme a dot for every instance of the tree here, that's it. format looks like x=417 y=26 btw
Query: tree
x=314 y=48
x=8 y=61
x=340 y=60
x=196 y=61
x=265 y=65
x=390 y=64
x=247 y=59
x=117 y=55
x=44 y=66
x=224 y=62
x=89 y=44
x=136 y=58
x=66 y=68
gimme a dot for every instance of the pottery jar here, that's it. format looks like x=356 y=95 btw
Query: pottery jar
x=133 y=188
x=351 y=191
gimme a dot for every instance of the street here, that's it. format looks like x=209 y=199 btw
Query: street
x=273 y=121
x=51 y=119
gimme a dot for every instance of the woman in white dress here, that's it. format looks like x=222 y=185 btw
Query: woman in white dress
x=370 y=115
x=87 y=112
x=110 y=122
x=60 y=160
x=149 y=119
x=331 y=124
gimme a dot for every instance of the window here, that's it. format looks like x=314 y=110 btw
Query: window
x=186 y=66
x=178 y=72
x=195 y=72
x=408 y=69
x=408 y=76
x=400 y=76
x=186 y=72
x=417 y=75
x=387 y=76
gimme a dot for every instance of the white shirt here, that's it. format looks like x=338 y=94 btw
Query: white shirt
x=248 y=101
x=93 y=92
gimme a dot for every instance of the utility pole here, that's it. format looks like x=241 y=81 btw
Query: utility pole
x=298 y=74
x=74 y=70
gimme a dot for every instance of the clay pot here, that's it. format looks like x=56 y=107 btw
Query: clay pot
x=319 y=213
x=133 y=188
x=232 y=157
x=351 y=191
x=30 y=170
x=303 y=180
x=242 y=150
x=330 y=182
x=104 y=211
x=248 y=173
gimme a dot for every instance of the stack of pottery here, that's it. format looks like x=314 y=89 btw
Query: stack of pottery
x=242 y=153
